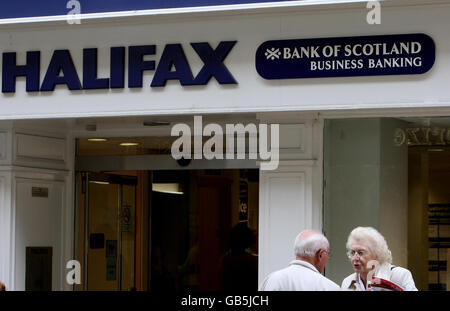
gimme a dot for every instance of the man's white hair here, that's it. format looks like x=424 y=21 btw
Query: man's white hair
x=371 y=238
x=309 y=246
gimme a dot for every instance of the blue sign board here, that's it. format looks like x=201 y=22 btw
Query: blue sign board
x=34 y=8
x=403 y=54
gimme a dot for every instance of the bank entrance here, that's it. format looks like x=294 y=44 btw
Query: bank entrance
x=147 y=222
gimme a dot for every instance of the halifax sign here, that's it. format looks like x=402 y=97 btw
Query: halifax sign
x=172 y=65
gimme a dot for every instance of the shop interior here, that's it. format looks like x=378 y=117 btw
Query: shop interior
x=429 y=185
x=164 y=229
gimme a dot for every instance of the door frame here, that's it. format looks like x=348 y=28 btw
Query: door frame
x=86 y=177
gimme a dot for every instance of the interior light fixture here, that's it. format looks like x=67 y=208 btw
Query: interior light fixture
x=97 y=139
x=128 y=144
x=99 y=182
x=167 y=188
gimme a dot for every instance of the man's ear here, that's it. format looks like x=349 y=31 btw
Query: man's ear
x=319 y=255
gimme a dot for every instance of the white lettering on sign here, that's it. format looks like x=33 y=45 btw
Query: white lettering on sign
x=351 y=50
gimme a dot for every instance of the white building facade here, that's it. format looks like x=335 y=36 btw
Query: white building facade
x=38 y=129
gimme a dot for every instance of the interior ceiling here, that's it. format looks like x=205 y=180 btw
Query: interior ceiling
x=146 y=145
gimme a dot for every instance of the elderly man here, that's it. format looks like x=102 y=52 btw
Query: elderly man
x=305 y=273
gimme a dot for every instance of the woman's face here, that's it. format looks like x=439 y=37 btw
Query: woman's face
x=360 y=254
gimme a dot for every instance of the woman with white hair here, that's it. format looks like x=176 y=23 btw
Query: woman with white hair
x=367 y=249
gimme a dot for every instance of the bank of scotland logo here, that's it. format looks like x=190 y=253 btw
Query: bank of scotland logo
x=273 y=53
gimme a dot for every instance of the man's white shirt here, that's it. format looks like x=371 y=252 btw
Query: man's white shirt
x=298 y=276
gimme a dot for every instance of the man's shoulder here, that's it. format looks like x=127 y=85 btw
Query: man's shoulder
x=286 y=270
x=298 y=277
x=275 y=279
x=315 y=277
x=329 y=283
x=279 y=273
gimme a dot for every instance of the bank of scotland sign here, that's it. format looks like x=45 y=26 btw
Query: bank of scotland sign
x=404 y=54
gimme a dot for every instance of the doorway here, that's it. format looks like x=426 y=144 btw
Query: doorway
x=106 y=230
x=193 y=225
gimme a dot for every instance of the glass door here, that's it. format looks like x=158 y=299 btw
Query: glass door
x=106 y=238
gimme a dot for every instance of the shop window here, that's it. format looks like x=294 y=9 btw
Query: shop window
x=392 y=174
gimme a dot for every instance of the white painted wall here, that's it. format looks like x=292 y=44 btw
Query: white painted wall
x=6 y=229
x=38 y=223
x=290 y=197
x=34 y=158
x=285 y=210
x=253 y=93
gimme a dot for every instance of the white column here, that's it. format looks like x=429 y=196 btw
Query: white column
x=6 y=230
x=290 y=197
x=34 y=158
